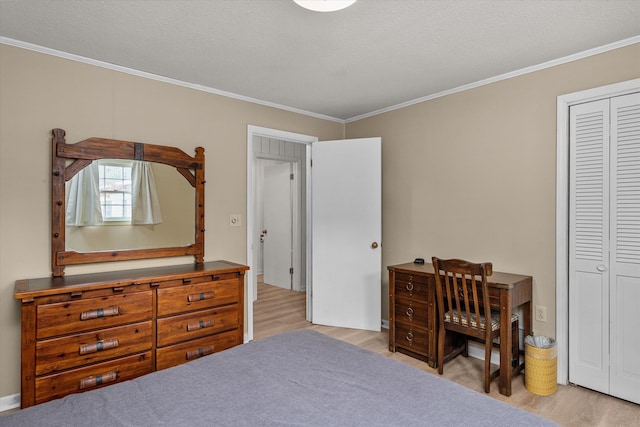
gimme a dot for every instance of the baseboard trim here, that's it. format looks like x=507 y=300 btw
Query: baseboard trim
x=9 y=402
x=476 y=350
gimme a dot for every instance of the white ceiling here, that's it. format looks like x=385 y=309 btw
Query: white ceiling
x=372 y=56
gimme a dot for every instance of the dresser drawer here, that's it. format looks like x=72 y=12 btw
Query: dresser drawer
x=411 y=313
x=92 y=313
x=191 y=350
x=174 y=329
x=68 y=352
x=91 y=377
x=412 y=338
x=179 y=299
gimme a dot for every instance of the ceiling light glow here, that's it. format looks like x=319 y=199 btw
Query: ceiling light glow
x=325 y=5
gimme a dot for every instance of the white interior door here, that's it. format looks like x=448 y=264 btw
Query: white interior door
x=604 y=249
x=278 y=239
x=346 y=233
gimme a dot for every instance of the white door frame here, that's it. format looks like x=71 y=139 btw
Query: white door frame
x=251 y=290
x=562 y=209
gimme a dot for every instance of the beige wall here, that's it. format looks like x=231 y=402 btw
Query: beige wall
x=472 y=174
x=40 y=92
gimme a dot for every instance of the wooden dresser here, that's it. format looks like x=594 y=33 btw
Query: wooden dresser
x=87 y=331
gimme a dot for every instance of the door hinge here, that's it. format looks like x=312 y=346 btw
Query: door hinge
x=291 y=270
x=291 y=176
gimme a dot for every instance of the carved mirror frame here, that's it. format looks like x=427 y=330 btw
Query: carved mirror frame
x=81 y=155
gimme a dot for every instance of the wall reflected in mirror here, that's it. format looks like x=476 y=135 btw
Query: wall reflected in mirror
x=173 y=222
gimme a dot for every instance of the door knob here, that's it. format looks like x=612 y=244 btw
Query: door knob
x=374 y=245
x=601 y=267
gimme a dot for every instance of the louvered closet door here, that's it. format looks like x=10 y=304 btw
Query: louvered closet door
x=589 y=246
x=604 y=266
x=625 y=248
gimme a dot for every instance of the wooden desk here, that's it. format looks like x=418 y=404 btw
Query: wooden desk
x=506 y=292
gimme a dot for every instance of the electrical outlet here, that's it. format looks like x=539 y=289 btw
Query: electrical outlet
x=235 y=220
x=541 y=313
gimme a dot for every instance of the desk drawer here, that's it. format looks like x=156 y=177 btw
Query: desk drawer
x=411 y=312
x=411 y=278
x=92 y=377
x=179 y=299
x=69 y=352
x=412 y=338
x=494 y=297
x=191 y=350
x=92 y=313
x=413 y=290
x=195 y=325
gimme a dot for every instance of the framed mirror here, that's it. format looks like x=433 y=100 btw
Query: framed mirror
x=118 y=200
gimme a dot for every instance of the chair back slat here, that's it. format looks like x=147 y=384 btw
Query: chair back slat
x=476 y=300
x=465 y=293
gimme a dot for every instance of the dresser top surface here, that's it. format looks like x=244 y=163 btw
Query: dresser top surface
x=50 y=285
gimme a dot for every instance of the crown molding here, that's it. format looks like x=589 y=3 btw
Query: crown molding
x=523 y=71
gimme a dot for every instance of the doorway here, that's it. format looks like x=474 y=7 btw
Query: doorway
x=346 y=230
x=271 y=147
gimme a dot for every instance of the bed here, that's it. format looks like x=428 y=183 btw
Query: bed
x=300 y=378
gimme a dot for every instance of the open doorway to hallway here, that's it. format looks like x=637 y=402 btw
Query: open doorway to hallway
x=273 y=156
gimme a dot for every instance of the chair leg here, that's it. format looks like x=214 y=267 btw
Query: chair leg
x=487 y=365
x=515 y=340
x=441 y=337
x=465 y=351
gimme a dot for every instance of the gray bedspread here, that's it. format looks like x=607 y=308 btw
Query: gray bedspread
x=297 y=378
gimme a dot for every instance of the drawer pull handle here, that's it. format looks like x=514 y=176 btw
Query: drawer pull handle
x=200 y=325
x=410 y=312
x=410 y=336
x=98 y=380
x=99 y=346
x=409 y=287
x=194 y=354
x=101 y=312
x=201 y=296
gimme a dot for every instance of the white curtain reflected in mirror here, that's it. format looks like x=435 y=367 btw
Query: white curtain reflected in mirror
x=145 y=208
x=83 y=198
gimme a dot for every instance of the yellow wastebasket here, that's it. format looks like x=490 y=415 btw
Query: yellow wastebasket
x=541 y=369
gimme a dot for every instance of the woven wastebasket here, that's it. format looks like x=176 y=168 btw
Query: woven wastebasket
x=541 y=368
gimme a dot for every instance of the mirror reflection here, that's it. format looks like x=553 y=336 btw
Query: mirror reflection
x=117 y=204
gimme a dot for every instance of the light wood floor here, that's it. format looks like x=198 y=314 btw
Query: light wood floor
x=279 y=310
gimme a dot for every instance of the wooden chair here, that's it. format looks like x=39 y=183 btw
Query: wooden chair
x=463 y=307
